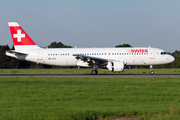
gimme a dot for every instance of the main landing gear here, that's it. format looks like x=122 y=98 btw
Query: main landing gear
x=152 y=72
x=94 y=72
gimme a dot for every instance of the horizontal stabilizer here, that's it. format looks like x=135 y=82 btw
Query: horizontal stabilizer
x=15 y=52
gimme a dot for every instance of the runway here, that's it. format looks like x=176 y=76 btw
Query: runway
x=87 y=76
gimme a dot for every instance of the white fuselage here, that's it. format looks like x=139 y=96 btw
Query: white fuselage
x=65 y=56
x=113 y=59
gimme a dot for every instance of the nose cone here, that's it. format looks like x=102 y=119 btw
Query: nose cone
x=171 y=59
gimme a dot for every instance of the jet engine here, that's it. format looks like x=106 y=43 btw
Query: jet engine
x=115 y=66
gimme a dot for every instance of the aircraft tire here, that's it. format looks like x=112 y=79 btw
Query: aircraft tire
x=152 y=72
x=94 y=72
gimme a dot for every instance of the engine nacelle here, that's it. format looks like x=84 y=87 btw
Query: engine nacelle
x=109 y=66
x=115 y=66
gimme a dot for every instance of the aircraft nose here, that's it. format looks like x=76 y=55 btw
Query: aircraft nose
x=172 y=59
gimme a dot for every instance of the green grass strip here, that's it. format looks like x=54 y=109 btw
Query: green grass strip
x=32 y=98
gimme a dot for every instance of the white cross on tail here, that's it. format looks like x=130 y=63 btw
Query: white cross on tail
x=19 y=35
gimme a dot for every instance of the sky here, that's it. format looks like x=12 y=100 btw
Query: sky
x=95 y=23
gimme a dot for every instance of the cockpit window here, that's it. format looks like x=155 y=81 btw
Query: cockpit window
x=164 y=53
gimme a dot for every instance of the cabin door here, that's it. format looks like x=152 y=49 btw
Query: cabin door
x=152 y=54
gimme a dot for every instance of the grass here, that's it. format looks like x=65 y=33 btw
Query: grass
x=86 y=71
x=32 y=98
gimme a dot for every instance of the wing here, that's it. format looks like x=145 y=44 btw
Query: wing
x=90 y=58
x=89 y=61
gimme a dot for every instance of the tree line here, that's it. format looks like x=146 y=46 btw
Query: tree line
x=13 y=63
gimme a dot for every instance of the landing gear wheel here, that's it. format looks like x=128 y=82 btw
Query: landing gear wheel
x=94 y=72
x=152 y=72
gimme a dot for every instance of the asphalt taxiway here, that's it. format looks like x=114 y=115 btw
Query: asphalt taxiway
x=86 y=76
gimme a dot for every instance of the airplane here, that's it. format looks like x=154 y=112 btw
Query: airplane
x=113 y=59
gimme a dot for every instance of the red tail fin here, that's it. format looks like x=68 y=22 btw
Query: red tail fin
x=20 y=38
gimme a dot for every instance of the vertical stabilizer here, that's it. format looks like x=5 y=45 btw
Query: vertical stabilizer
x=20 y=38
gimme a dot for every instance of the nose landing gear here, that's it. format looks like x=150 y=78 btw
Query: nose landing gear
x=152 y=72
